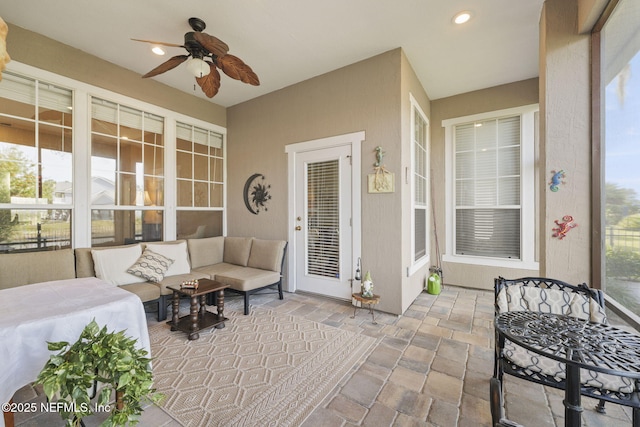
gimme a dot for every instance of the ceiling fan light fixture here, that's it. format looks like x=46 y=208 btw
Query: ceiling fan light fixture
x=462 y=17
x=198 y=67
x=158 y=50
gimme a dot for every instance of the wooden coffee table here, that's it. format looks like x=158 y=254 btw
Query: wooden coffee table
x=198 y=319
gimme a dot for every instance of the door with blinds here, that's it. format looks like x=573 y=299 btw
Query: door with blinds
x=323 y=222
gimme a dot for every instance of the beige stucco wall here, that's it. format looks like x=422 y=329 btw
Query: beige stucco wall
x=47 y=54
x=565 y=141
x=364 y=96
x=485 y=100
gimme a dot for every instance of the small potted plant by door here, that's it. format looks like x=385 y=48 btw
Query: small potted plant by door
x=110 y=359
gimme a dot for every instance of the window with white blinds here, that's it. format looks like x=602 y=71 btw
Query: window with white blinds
x=323 y=219
x=487 y=188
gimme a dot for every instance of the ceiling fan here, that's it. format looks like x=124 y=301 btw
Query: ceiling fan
x=207 y=54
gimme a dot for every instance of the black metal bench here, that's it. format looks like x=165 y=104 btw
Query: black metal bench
x=552 y=296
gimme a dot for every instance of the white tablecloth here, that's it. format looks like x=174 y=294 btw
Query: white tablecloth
x=31 y=315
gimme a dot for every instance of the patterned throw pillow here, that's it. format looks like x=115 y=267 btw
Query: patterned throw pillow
x=150 y=266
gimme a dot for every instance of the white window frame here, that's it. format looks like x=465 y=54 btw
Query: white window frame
x=527 y=190
x=418 y=264
x=82 y=93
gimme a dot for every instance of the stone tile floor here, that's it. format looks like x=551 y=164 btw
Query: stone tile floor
x=430 y=367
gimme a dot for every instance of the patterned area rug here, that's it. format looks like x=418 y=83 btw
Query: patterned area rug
x=266 y=368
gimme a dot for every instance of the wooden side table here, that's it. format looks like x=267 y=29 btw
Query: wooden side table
x=198 y=320
x=375 y=299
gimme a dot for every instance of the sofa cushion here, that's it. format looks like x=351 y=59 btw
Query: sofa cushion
x=177 y=251
x=246 y=279
x=34 y=267
x=146 y=291
x=177 y=279
x=111 y=264
x=237 y=250
x=221 y=268
x=150 y=266
x=266 y=254
x=206 y=251
x=84 y=263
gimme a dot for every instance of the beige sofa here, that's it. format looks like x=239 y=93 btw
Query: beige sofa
x=115 y=272
x=248 y=265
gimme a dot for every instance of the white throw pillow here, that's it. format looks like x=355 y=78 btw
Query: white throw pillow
x=111 y=265
x=175 y=251
x=150 y=266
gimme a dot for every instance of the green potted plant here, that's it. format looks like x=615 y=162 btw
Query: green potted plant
x=109 y=358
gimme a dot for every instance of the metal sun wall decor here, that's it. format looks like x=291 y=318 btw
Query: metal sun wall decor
x=557 y=178
x=563 y=227
x=382 y=181
x=256 y=193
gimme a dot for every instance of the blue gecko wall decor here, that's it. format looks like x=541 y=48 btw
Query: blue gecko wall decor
x=556 y=179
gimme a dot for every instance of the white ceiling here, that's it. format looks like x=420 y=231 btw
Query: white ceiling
x=288 y=41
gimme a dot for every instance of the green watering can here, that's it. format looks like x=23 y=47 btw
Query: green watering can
x=434 y=285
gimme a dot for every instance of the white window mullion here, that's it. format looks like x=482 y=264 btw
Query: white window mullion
x=170 y=176
x=81 y=168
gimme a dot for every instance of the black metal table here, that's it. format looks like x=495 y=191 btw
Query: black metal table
x=578 y=344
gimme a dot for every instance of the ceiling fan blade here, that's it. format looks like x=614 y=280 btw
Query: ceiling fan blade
x=211 y=82
x=235 y=68
x=160 y=43
x=167 y=65
x=212 y=44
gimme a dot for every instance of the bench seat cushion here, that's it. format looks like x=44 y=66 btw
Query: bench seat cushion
x=247 y=279
x=540 y=364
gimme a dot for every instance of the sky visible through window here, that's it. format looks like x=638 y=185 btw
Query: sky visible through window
x=622 y=96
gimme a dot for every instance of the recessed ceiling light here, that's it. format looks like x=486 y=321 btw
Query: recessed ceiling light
x=462 y=17
x=158 y=50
